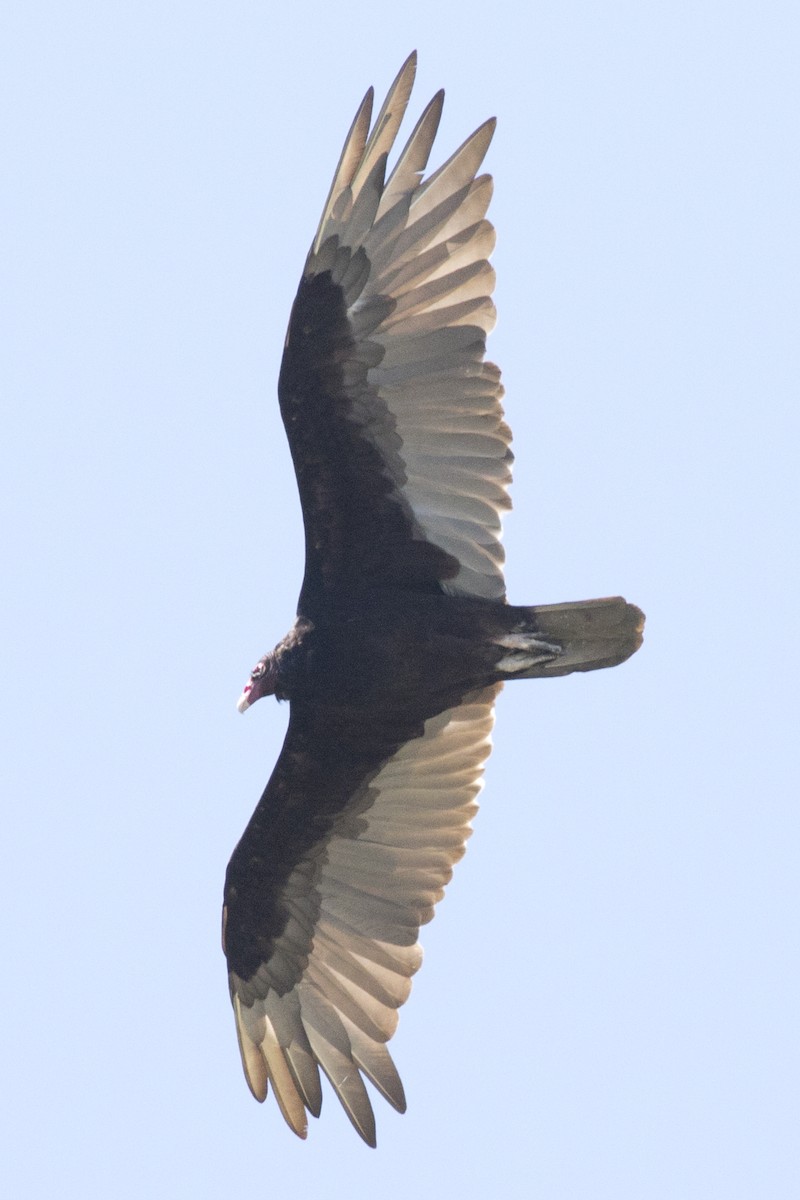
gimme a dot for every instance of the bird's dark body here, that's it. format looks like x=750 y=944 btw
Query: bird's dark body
x=395 y=649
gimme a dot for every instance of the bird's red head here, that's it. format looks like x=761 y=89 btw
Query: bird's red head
x=262 y=682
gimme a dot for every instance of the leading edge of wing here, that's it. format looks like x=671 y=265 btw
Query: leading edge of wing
x=332 y=942
x=393 y=416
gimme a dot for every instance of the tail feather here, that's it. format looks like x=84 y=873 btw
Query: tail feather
x=593 y=634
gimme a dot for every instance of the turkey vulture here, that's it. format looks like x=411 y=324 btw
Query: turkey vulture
x=403 y=636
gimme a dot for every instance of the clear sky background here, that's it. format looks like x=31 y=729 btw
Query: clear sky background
x=609 y=1003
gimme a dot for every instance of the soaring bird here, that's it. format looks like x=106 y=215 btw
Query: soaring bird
x=403 y=636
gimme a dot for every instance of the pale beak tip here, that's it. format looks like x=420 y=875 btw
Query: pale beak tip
x=243 y=703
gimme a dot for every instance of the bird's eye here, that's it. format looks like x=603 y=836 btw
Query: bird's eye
x=257 y=671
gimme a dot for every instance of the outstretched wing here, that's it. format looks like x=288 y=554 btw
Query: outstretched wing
x=393 y=417
x=345 y=857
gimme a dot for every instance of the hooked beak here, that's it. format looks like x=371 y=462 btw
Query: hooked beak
x=261 y=683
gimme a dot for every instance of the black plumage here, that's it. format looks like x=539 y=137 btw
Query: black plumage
x=403 y=635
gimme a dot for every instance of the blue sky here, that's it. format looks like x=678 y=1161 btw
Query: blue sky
x=609 y=1001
